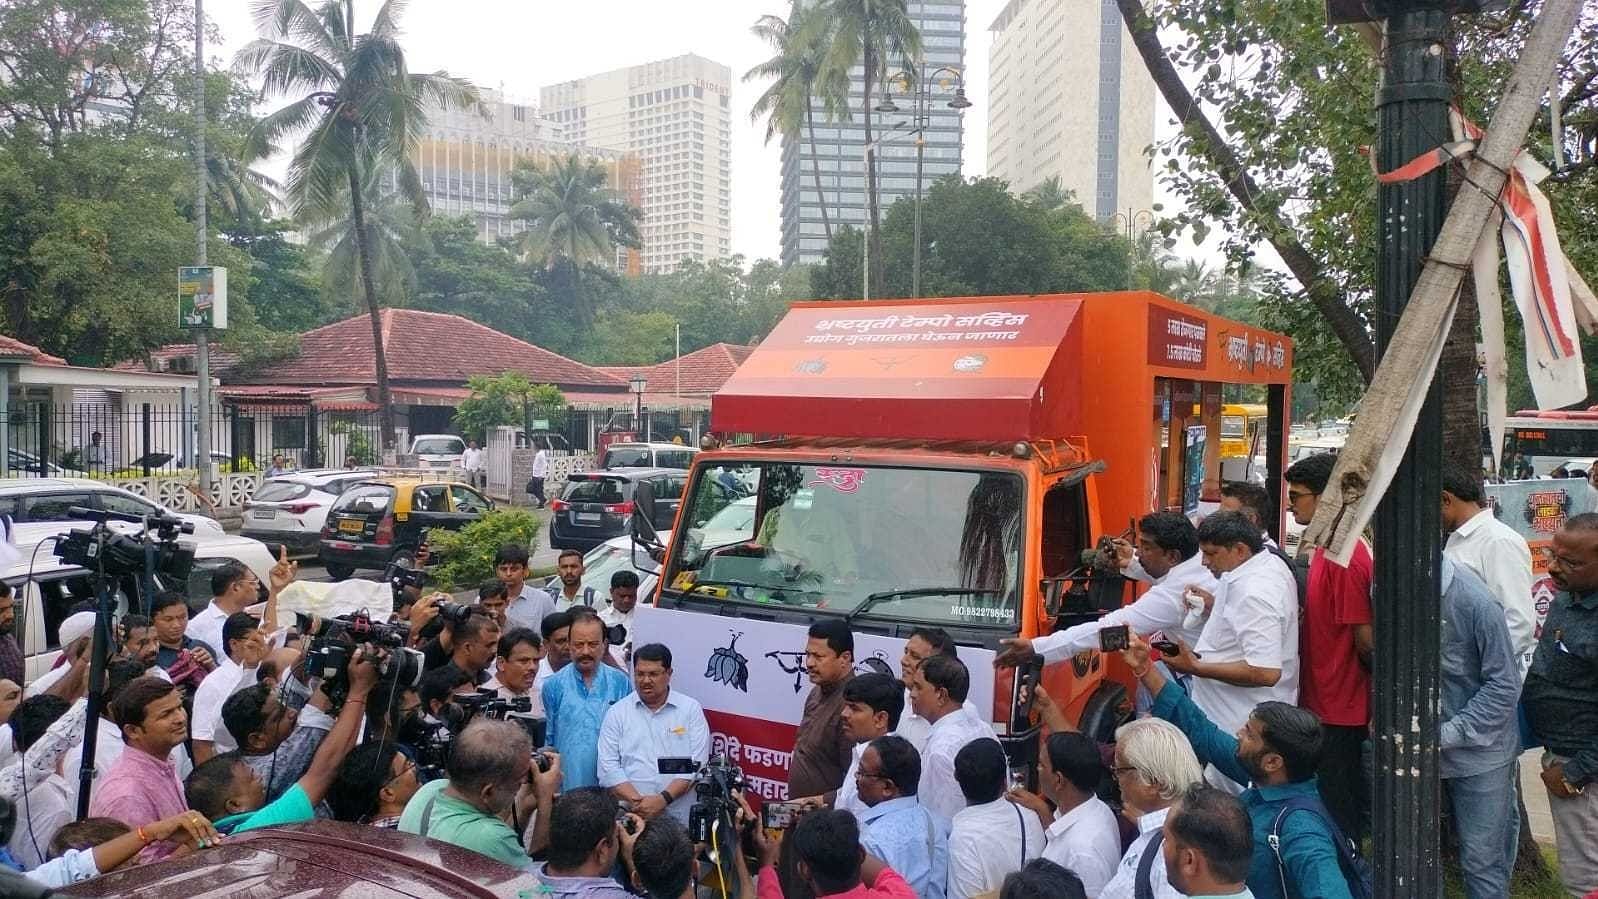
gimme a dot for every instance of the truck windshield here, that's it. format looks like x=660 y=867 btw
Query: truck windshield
x=916 y=544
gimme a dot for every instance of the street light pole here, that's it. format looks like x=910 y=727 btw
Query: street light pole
x=638 y=383
x=921 y=120
x=202 y=342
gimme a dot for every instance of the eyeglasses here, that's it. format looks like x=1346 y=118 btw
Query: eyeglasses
x=1294 y=496
x=409 y=767
x=868 y=775
x=1121 y=769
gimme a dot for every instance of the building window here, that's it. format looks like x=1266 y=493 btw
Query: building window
x=288 y=433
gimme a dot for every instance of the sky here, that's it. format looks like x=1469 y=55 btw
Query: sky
x=520 y=45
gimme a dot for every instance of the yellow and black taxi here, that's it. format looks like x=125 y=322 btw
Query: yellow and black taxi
x=383 y=522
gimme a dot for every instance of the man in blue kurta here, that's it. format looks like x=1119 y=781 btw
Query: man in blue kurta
x=1276 y=752
x=576 y=699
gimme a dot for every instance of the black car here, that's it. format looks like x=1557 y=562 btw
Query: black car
x=596 y=506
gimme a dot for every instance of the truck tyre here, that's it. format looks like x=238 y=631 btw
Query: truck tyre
x=339 y=572
x=1107 y=709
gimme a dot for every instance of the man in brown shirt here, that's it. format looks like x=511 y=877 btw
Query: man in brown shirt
x=821 y=752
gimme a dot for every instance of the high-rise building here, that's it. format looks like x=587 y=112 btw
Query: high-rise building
x=466 y=159
x=675 y=115
x=839 y=147
x=1069 y=98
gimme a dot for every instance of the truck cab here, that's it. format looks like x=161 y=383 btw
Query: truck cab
x=951 y=464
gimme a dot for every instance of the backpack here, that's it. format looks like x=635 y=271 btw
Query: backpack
x=1143 y=886
x=1300 y=569
x=1356 y=870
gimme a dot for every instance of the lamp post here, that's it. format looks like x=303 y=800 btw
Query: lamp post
x=921 y=102
x=637 y=384
x=865 y=235
x=1127 y=222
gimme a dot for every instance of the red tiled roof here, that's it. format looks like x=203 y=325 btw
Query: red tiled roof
x=423 y=347
x=222 y=361
x=10 y=346
x=702 y=372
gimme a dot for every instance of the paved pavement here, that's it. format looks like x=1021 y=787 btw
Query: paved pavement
x=1531 y=786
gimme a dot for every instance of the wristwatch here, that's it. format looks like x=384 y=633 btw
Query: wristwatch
x=1571 y=788
x=666 y=795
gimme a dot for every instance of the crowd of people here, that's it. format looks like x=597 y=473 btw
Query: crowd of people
x=538 y=735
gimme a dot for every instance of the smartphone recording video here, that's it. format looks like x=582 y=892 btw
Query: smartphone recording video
x=1115 y=638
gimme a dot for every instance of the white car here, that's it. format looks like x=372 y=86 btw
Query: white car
x=290 y=509
x=616 y=554
x=46 y=589
x=438 y=450
x=29 y=500
x=648 y=455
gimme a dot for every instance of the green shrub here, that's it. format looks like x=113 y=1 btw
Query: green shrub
x=463 y=559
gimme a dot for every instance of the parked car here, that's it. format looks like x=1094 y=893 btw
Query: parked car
x=438 y=450
x=319 y=860
x=291 y=509
x=48 y=499
x=595 y=506
x=46 y=589
x=647 y=455
x=381 y=522
x=22 y=460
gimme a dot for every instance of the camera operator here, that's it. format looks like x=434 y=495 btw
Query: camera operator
x=520 y=651
x=278 y=730
x=528 y=604
x=495 y=788
x=476 y=645
x=623 y=600
x=373 y=786
x=493 y=597
x=229 y=792
x=234 y=588
x=584 y=845
x=577 y=699
x=245 y=648
x=648 y=725
x=439 y=688
x=659 y=858
x=831 y=861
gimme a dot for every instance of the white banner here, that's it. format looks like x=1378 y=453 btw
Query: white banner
x=756 y=669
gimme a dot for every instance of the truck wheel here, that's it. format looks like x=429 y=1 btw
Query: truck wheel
x=339 y=572
x=1108 y=708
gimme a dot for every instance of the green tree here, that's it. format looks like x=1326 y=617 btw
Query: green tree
x=1050 y=193
x=869 y=34
x=361 y=111
x=507 y=399
x=797 y=82
x=285 y=283
x=631 y=338
x=574 y=219
x=378 y=245
x=459 y=274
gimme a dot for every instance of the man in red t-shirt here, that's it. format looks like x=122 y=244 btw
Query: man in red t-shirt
x=1335 y=653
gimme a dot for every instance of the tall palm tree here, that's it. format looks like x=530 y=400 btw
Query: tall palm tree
x=389 y=220
x=360 y=109
x=870 y=34
x=1050 y=194
x=573 y=219
x=797 y=83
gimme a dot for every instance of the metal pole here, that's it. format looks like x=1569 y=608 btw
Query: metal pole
x=865 y=241
x=1412 y=119
x=202 y=348
x=923 y=114
x=145 y=428
x=100 y=649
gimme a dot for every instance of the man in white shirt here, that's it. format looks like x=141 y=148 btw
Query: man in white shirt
x=234 y=588
x=1209 y=844
x=516 y=664
x=1082 y=835
x=1168 y=552
x=535 y=486
x=651 y=724
x=1494 y=552
x=623 y=601
x=567 y=589
x=1154 y=766
x=992 y=836
x=246 y=647
x=922 y=644
x=75 y=634
x=528 y=604
x=472 y=464
x=872 y=705
x=46 y=805
x=938 y=693
x=1248 y=653
x=556 y=630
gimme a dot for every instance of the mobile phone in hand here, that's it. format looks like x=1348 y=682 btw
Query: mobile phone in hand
x=1115 y=638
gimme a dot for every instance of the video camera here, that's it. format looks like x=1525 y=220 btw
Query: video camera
x=401 y=578
x=333 y=642
x=717 y=784
x=121 y=554
x=434 y=739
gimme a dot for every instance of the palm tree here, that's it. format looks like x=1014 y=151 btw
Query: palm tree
x=1050 y=194
x=1197 y=285
x=573 y=219
x=361 y=111
x=796 y=72
x=390 y=224
x=868 y=33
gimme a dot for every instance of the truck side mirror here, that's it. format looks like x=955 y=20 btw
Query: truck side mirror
x=1053 y=590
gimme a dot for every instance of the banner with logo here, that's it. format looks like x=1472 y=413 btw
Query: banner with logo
x=1536 y=509
x=750 y=677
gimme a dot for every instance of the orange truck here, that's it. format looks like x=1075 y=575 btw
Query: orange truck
x=943 y=463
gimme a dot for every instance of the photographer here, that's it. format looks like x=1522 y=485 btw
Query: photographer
x=229 y=792
x=584 y=845
x=492 y=779
x=577 y=699
x=187 y=661
x=373 y=786
x=245 y=648
x=659 y=858
x=831 y=861
x=649 y=725
x=278 y=730
x=439 y=688
x=476 y=645
x=520 y=651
